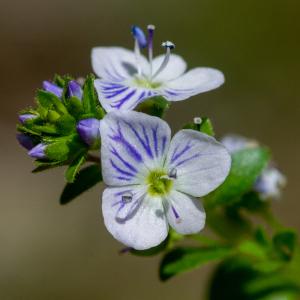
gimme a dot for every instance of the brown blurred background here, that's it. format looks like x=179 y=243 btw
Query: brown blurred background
x=57 y=253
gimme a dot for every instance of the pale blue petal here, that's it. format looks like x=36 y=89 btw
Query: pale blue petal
x=132 y=143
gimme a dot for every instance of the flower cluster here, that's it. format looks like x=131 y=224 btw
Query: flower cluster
x=153 y=181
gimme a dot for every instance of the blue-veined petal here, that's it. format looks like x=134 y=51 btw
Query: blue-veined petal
x=195 y=81
x=139 y=223
x=116 y=64
x=185 y=213
x=175 y=67
x=121 y=96
x=201 y=163
x=132 y=143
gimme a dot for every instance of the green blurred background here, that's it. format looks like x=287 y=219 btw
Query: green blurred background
x=57 y=253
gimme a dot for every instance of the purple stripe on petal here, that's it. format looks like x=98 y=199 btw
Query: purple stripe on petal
x=123 y=178
x=119 y=170
x=175 y=212
x=154 y=135
x=164 y=142
x=123 y=100
x=127 y=164
x=128 y=147
x=145 y=145
x=175 y=155
x=186 y=160
x=116 y=93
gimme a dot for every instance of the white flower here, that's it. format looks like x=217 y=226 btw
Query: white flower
x=271 y=181
x=154 y=182
x=128 y=78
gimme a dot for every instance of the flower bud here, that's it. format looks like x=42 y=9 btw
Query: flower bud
x=52 y=88
x=74 y=89
x=26 y=141
x=24 y=117
x=89 y=131
x=38 y=151
x=270 y=183
x=139 y=35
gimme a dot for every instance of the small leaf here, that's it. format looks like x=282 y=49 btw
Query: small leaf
x=285 y=243
x=43 y=166
x=205 y=126
x=155 y=106
x=246 y=166
x=74 y=106
x=74 y=167
x=86 y=178
x=185 y=259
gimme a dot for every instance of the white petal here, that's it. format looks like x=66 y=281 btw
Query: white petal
x=132 y=143
x=115 y=64
x=185 y=214
x=121 y=96
x=175 y=67
x=196 y=81
x=201 y=162
x=140 y=224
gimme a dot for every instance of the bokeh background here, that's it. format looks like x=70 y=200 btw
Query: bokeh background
x=52 y=252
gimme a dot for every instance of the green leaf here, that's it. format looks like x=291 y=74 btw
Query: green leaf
x=246 y=166
x=205 y=126
x=86 y=178
x=155 y=106
x=185 y=259
x=285 y=243
x=89 y=99
x=74 y=167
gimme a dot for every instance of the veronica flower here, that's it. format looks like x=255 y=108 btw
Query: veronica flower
x=153 y=182
x=128 y=78
x=271 y=181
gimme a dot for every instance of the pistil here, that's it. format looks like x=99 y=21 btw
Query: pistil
x=169 y=46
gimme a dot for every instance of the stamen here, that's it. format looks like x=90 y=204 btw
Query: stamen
x=197 y=120
x=150 y=29
x=169 y=46
x=127 y=197
x=173 y=173
x=177 y=217
x=140 y=41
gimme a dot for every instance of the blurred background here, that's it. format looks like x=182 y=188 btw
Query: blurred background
x=52 y=252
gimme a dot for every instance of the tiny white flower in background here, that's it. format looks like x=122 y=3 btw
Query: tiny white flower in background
x=153 y=181
x=271 y=181
x=128 y=78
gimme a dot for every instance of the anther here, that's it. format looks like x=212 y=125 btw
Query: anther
x=139 y=35
x=173 y=173
x=197 y=120
x=168 y=44
x=176 y=215
x=127 y=197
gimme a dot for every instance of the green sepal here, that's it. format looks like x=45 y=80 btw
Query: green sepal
x=26 y=130
x=58 y=150
x=86 y=178
x=65 y=125
x=49 y=101
x=285 y=243
x=247 y=165
x=75 y=166
x=185 y=259
x=52 y=116
x=205 y=126
x=89 y=98
x=45 y=165
x=155 y=106
x=74 y=107
x=45 y=128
